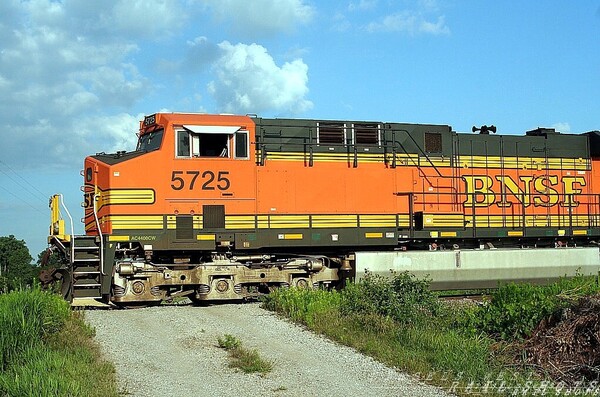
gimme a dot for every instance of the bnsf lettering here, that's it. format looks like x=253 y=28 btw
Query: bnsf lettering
x=504 y=191
x=209 y=181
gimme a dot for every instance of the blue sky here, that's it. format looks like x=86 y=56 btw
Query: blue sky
x=77 y=75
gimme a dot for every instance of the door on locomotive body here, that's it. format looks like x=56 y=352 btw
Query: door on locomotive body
x=213 y=178
x=95 y=180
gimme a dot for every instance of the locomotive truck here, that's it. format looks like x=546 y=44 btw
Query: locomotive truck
x=220 y=207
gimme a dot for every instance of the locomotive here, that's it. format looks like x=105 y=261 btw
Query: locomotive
x=221 y=207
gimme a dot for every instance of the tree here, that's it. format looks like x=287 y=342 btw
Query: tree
x=15 y=264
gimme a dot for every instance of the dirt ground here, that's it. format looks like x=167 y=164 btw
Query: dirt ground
x=172 y=351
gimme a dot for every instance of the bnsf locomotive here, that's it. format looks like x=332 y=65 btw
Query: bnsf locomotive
x=217 y=207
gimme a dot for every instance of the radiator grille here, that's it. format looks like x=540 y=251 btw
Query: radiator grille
x=433 y=142
x=213 y=216
x=184 y=227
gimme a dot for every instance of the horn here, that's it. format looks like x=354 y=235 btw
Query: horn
x=474 y=129
x=492 y=128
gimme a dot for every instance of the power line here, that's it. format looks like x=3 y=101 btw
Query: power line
x=23 y=201
x=35 y=189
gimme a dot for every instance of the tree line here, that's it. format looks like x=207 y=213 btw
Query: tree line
x=17 y=269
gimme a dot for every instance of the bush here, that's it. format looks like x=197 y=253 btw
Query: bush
x=516 y=309
x=403 y=298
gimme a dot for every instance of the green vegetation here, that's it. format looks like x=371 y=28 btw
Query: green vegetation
x=46 y=350
x=16 y=270
x=516 y=309
x=248 y=361
x=400 y=322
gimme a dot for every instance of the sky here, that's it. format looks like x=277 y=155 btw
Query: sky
x=76 y=76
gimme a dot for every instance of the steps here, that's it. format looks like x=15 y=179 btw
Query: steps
x=86 y=277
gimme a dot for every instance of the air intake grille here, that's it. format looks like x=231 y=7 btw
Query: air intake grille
x=213 y=216
x=433 y=142
x=184 y=227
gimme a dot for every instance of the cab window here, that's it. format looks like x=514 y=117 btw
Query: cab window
x=212 y=141
x=150 y=141
x=183 y=144
x=241 y=144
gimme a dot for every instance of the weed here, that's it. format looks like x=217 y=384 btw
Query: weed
x=229 y=342
x=248 y=361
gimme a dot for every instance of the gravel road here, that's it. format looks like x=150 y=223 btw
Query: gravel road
x=172 y=351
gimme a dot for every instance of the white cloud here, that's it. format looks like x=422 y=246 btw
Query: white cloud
x=340 y=23
x=262 y=17
x=428 y=5
x=120 y=129
x=249 y=81
x=64 y=64
x=362 y=5
x=409 y=22
x=562 y=127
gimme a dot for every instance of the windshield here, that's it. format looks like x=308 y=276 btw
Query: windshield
x=151 y=141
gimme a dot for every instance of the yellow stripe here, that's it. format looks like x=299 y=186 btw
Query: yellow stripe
x=118 y=238
x=120 y=222
x=464 y=161
x=239 y=222
x=126 y=196
x=373 y=235
x=205 y=237
x=448 y=234
x=579 y=232
x=283 y=221
x=460 y=221
x=515 y=233
x=377 y=220
x=293 y=236
x=333 y=221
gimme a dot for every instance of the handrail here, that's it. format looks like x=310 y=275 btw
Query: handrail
x=99 y=235
x=72 y=234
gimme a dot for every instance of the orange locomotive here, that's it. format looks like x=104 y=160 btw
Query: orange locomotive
x=228 y=207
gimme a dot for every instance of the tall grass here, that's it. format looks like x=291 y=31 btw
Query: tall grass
x=26 y=317
x=398 y=320
x=401 y=323
x=302 y=305
x=46 y=350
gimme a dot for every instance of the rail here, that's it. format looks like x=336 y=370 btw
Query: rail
x=101 y=250
x=72 y=234
x=57 y=224
x=569 y=212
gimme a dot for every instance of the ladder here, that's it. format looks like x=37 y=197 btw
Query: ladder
x=86 y=274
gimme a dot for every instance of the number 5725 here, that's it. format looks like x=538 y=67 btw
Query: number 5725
x=208 y=180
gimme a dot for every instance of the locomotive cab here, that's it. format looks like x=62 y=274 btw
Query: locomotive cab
x=177 y=215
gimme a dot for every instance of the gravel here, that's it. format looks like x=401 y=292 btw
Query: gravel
x=172 y=351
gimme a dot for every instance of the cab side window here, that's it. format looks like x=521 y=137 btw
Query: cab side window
x=183 y=144
x=241 y=145
x=234 y=144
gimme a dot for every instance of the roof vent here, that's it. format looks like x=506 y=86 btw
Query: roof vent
x=542 y=132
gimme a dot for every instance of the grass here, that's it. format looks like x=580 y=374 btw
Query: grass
x=47 y=350
x=400 y=323
x=246 y=360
